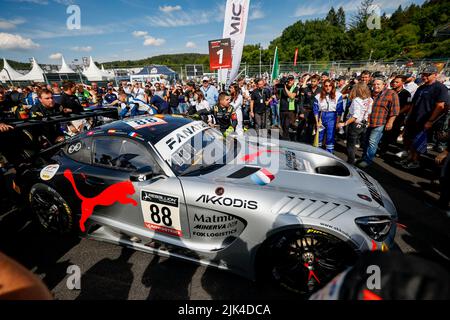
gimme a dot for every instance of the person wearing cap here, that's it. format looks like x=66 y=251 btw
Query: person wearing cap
x=428 y=105
x=210 y=92
x=110 y=96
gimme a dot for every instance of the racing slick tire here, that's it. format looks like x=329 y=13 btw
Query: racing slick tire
x=51 y=210
x=304 y=260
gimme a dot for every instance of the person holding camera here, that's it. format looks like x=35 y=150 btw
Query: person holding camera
x=328 y=108
x=288 y=92
x=359 y=113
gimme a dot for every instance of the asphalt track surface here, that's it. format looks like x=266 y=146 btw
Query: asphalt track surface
x=112 y=272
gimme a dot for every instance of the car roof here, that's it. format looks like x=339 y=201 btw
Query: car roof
x=147 y=128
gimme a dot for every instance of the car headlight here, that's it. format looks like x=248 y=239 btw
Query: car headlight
x=376 y=228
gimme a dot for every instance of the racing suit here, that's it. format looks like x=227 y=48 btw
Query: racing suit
x=51 y=132
x=328 y=111
x=223 y=117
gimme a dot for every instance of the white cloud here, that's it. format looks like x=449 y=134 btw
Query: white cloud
x=151 y=41
x=138 y=34
x=168 y=9
x=256 y=12
x=10 y=41
x=182 y=19
x=10 y=24
x=42 y=2
x=191 y=45
x=82 y=49
x=55 y=56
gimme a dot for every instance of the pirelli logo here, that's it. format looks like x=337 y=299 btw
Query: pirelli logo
x=372 y=189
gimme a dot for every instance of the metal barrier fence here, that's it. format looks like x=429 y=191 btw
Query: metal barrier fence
x=336 y=67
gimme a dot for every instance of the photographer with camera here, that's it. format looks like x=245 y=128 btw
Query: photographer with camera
x=359 y=113
x=287 y=92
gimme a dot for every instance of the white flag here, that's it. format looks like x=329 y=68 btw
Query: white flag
x=235 y=27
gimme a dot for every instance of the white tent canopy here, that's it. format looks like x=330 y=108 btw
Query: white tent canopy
x=36 y=74
x=8 y=73
x=106 y=73
x=93 y=73
x=65 y=68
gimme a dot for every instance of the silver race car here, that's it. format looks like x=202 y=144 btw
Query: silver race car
x=177 y=188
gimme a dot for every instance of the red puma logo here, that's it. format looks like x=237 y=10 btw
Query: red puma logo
x=118 y=192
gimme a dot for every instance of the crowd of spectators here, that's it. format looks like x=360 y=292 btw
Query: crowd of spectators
x=371 y=111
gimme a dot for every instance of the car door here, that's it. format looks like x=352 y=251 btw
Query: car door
x=160 y=201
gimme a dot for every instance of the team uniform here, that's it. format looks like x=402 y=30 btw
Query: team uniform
x=328 y=111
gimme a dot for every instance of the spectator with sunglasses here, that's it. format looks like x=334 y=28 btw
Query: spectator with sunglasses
x=428 y=105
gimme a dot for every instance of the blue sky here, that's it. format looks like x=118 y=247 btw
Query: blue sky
x=136 y=29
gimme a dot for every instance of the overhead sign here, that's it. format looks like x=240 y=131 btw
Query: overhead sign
x=220 y=56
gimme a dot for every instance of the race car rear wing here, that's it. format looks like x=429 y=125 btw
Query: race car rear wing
x=30 y=123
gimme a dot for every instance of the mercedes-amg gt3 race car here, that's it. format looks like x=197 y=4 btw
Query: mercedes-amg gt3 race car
x=177 y=188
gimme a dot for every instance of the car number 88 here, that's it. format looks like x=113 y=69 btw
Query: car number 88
x=163 y=215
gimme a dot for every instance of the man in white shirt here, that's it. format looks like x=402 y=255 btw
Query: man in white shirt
x=210 y=92
x=138 y=91
x=410 y=84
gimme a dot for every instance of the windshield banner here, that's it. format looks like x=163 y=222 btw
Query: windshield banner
x=175 y=140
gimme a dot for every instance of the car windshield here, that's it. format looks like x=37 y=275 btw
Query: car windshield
x=203 y=153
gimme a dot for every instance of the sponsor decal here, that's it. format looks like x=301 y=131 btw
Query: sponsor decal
x=263 y=177
x=161 y=213
x=215 y=226
x=74 y=148
x=372 y=189
x=293 y=163
x=254 y=156
x=220 y=191
x=112 y=131
x=314 y=231
x=145 y=122
x=49 y=172
x=175 y=140
x=228 y=202
x=133 y=135
x=119 y=192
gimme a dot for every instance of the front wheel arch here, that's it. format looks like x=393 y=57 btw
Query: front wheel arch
x=270 y=250
x=62 y=217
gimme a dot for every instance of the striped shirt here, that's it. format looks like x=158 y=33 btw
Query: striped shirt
x=385 y=105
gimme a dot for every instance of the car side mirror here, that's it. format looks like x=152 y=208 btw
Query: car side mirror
x=142 y=175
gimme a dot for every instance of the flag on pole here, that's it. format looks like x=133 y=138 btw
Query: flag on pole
x=235 y=27
x=295 y=58
x=276 y=66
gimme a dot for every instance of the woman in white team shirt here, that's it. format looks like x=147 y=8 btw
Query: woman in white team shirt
x=358 y=118
x=237 y=101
